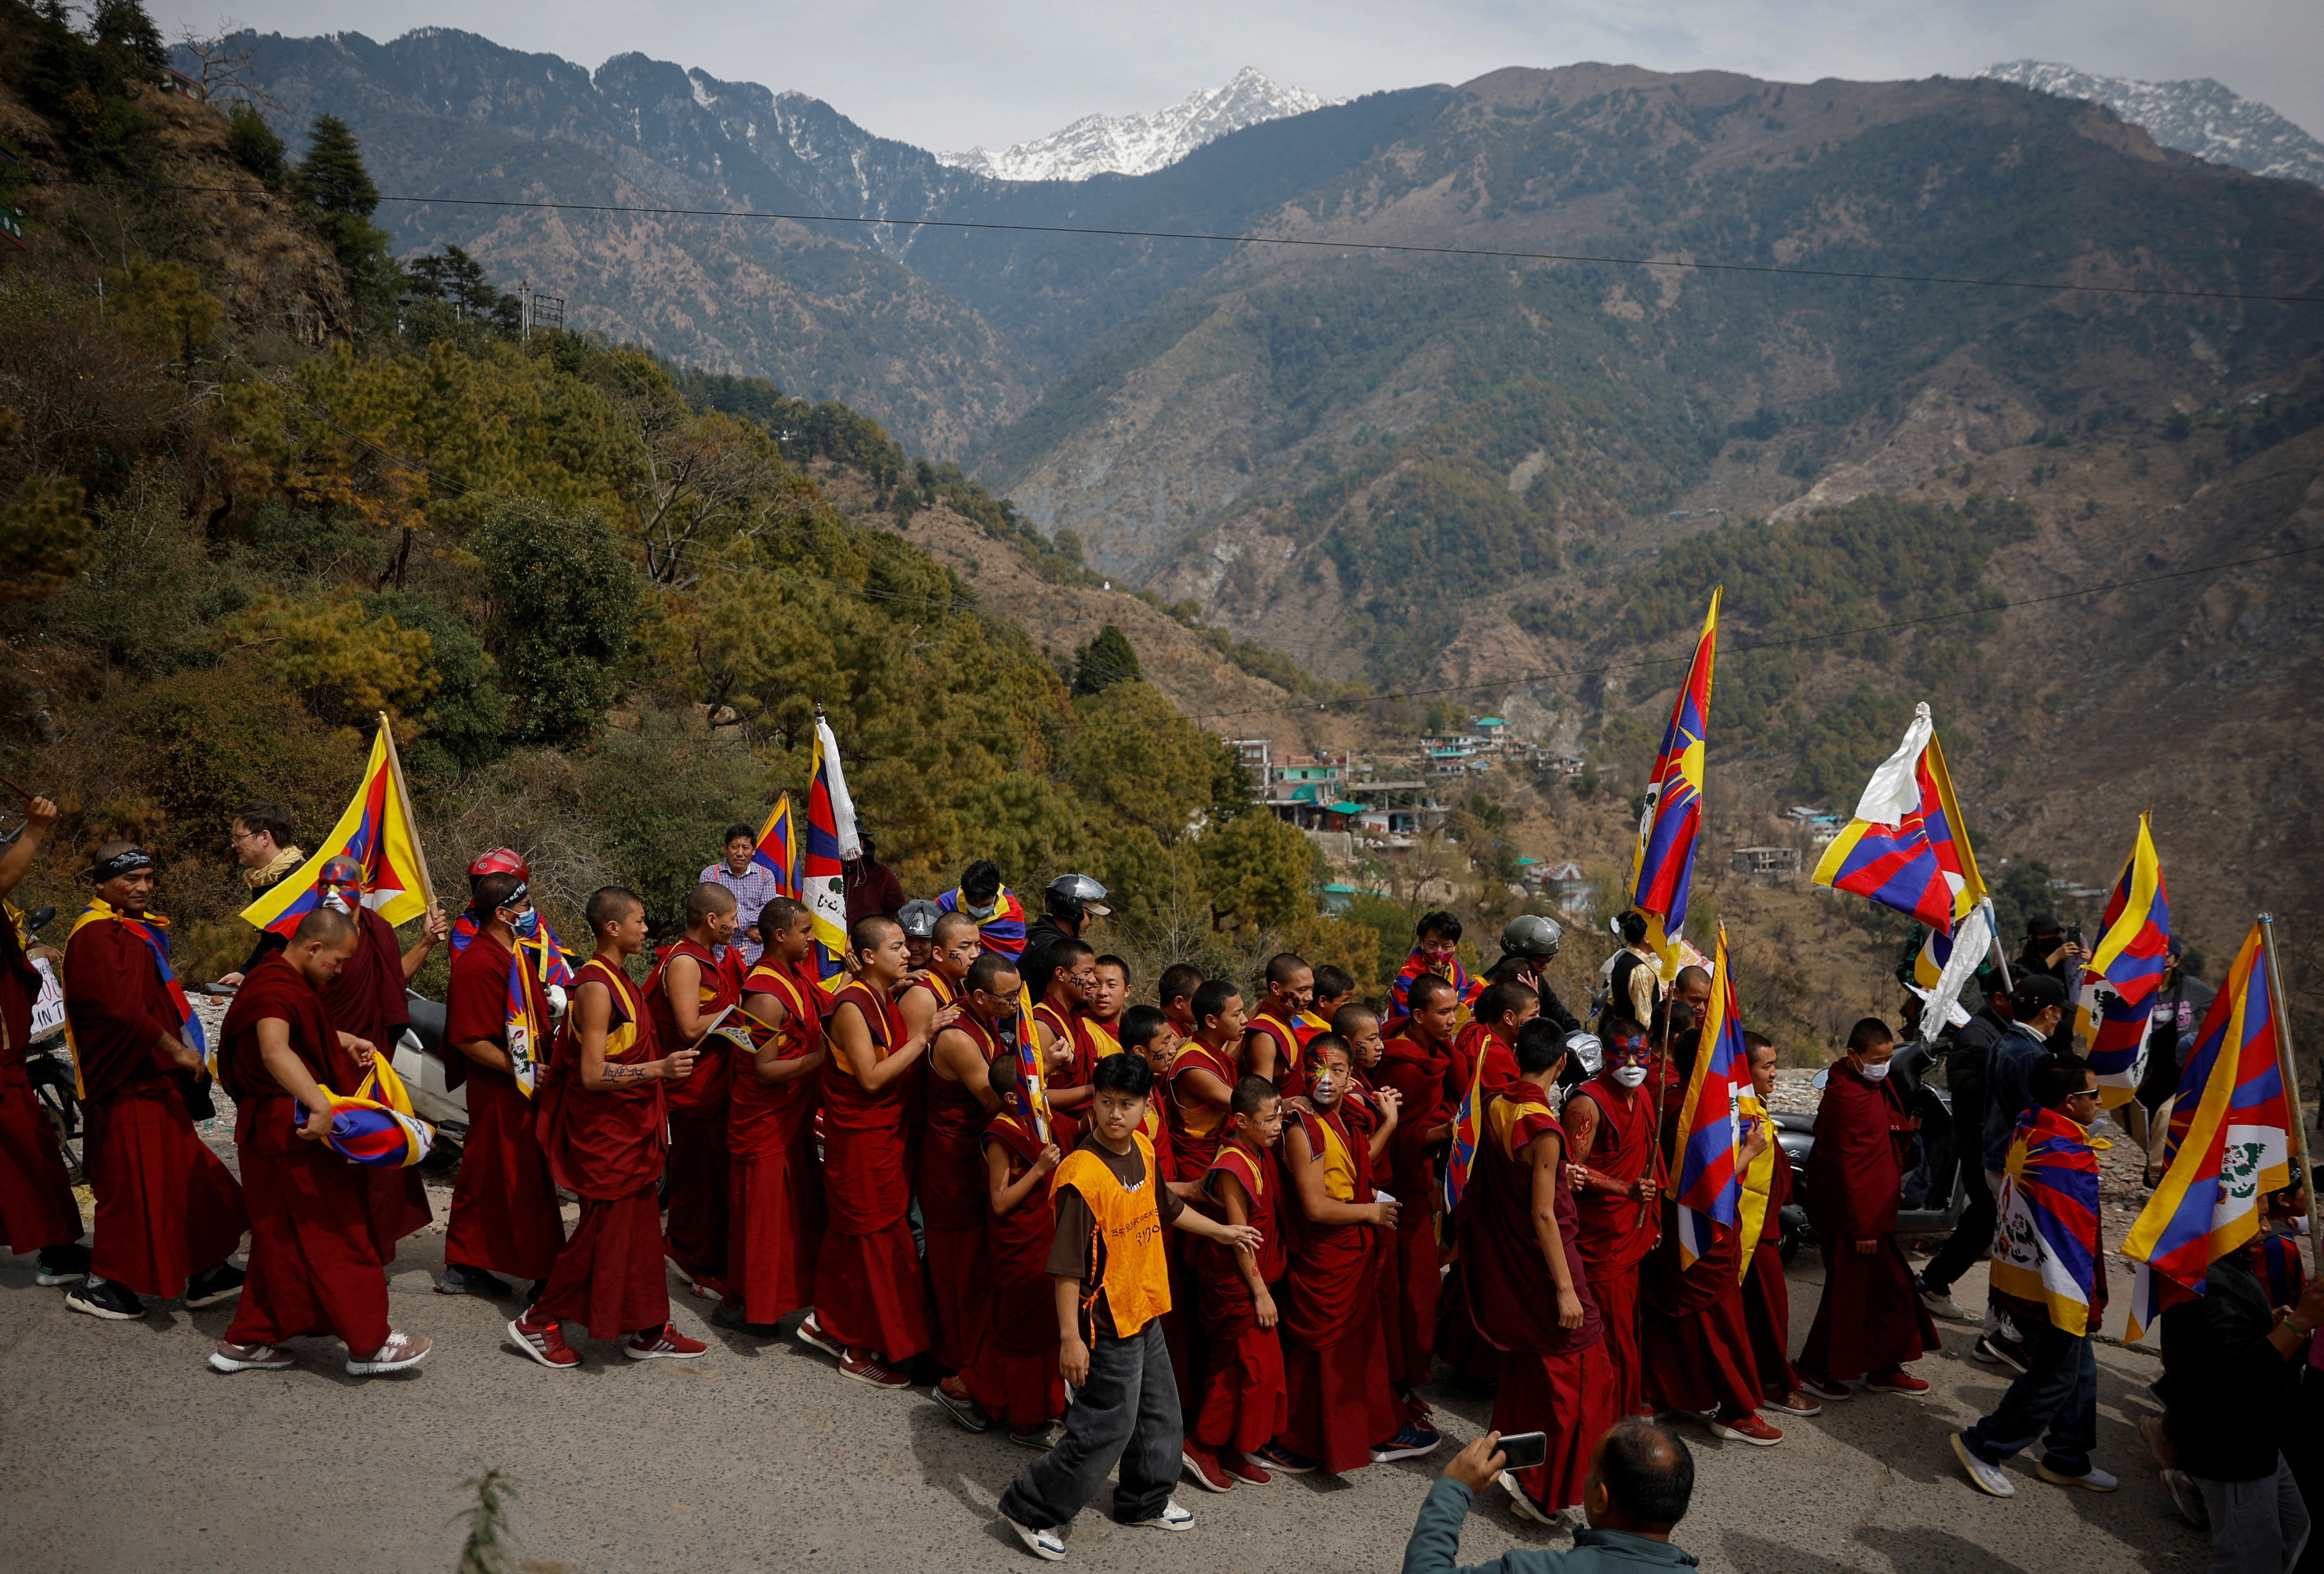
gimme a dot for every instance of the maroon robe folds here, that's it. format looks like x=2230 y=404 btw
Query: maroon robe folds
x=1016 y=1380
x=869 y=1290
x=1554 y=1379
x=1336 y=1396
x=1696 y=1349
x=1766 y=1296
x=606 y=1146
x=36 y=1201
x=1243 y=1402
x=314 y=1267
x=954 y=1205
x=367 y=1000
x=504 y=1211
x=1412 y=1280
x=1271 y=1021
x=1070 y=1025
x=696 y=1237
x=1197 y=1127
x=1618 y=1232
x=774 y=1214
x=1870 y=1318
x=166 y=1208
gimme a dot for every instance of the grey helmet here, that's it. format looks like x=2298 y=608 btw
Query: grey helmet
x=1587 y=1052
x=1531 y=936
x=918 y=918
x=1074 y=897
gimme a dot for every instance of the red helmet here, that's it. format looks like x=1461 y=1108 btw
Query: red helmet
x=500 y=860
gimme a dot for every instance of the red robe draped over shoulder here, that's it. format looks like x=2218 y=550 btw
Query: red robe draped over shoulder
x=774 y=1190
x=1412 y=1280
x=36 y=1201
x=1871 y=1319
x=1017 y=1381
x=870 y=1293
x=695 y=1235
x=1243 y=1401
x=506 y=1216
x=606 y=1145
x=367 y=1000
x=1696 y=1349
x=313 y=1266
x=1337 y=1400
x=1197 y=1127
x=1618 y=1232
x=954 y=1206
x=1767 y=1295
x=1270 y=1021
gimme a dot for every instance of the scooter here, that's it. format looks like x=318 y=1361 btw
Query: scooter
x=48 y=1063
x=1933 y=1196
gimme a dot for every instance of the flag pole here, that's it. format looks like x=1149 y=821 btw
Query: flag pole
x=403 y=792
x=2279 y=1009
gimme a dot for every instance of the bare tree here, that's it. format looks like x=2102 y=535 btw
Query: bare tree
x=706 y=481
x=223 y=63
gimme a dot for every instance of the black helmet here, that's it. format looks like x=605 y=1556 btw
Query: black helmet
x=918 y=917
x=1074 y=897
x=1530 y=934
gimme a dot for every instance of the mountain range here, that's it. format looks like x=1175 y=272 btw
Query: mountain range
x=1139 y=145
x=2197 y=115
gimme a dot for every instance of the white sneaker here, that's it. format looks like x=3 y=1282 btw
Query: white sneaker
x=1171 y=1518
x=1526 y=1507
x=1043 y=1543
x=2092 y=1479
x=401 y=1350
x=1985 y=1478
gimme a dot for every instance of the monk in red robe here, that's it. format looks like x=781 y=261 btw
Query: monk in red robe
x=1766 y=1296
x=168 y=1213
x=1109 y=998
x=954 y=1201
x=1271 y=1038
x=1695 y=1348
x=1017 y=1382
x=313 y=1267
x=685 y=991
x=1173 y=992
x=1616 y=1174
x=1414 y=1061
x=1516 y=1224
x=1870 y=1320
x=37 y=1211
x=600 y=1119
x=1491 y=1036
x=774 y=1193
x=872 y=1299
x=1339 y=1414
x=1061 y=1018
x=505 y=1217
x=1242 y=1407
x=367 y=1000
x=1202 y=1077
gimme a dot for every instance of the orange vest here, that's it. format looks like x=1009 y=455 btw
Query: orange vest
x=1136 y=1278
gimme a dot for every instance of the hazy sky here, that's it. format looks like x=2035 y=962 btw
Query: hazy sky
x=947 y=75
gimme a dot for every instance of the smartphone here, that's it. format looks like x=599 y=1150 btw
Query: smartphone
x=1526 y=1450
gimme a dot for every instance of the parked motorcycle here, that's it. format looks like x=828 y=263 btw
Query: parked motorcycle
x=48 y=1063
x=1934 y=1195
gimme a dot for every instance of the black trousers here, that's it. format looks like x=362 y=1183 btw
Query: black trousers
x=1972 y=1237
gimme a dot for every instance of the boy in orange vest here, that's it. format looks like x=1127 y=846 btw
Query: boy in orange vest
x=1113 y=1287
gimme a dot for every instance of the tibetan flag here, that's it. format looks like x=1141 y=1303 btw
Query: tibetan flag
x=1905 y=848
x=378 y=832
x=375 y=1126
x=2045 y=1249
x=1028 y=1064
x=830 y=838
x=1419 y=964
x=154 y=931
x=1307 y=1027
x=779 y=848
x=1001 y=930
x=2229 y=1144
x=2121 y=978
x=1461 y=1156
x=1663 y=866
x=527 y=1045
x=1709 y=1190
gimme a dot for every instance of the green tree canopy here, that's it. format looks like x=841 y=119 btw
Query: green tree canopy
x=1105 y=661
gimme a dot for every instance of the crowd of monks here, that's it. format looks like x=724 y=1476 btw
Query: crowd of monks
x=863 y=1150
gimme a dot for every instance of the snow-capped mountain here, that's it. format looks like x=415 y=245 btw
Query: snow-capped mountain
x=1139 y=145
x=2196 y=116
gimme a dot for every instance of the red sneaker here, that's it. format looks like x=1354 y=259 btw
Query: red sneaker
x=663 y=1344
x=1203 y=1463
x=864 y=1367
x=1899 y=1381
x=544 y=1343
x=1243 y=1468
x=1747 y=1428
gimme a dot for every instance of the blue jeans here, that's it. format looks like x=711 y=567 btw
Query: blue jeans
x=2060 y=1392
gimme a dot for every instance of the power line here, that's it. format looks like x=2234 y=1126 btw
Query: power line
x=1255 y=240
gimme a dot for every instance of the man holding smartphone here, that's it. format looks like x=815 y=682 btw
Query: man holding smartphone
x=1641 y=1479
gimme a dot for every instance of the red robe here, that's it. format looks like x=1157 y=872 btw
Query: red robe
x=774 y=1191
x=954 y=1204
x=1696 y=1349
x=1618 y=1232
x=870 y=1293
x=1413 y=1281
x=1501 y=1075
x=36 y=1200
x=1871 y=1319
x=1243 y=1402
x=1073 y=1029
x=1336 y=1395
x=1553 y=1379
x=313 y=1266
x=1017 y=1381
x=1269 y=1021
x=695 y=1238
x=166 y=1208
x=1197 y=1127
x=367 y=1000
x=506 y=1216
x=606 y=1145
x=1766 y=1297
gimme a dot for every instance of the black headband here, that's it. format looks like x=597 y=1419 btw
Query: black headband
x=128 y=861
x=515 y=898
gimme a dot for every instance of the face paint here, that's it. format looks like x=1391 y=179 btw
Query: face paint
x=1629 y=1076
x=335 y=899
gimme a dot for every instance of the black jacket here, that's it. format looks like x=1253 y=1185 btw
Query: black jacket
x=2227 y=1394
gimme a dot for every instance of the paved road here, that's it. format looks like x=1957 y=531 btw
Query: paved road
x=119 y=1450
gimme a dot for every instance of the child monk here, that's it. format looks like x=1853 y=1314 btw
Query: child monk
x=601 y=1120
x=774 y=1198
x=314 y=1267
x=1414 y=1062
x=1202 y=1078
x=954 y=1194
x=688 y=989
x=1173 y=992
x=1766 y=1297
x=1017 y=1383
x=1242 y=1403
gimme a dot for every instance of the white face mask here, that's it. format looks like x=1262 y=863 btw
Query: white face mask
x=336 y=902
x=1875 y=1071
x=1323 y=1087
x=1629 y=1076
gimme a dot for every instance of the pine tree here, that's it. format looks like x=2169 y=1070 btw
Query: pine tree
x=122 y=28
x=332 y=175
x=1105 y=661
